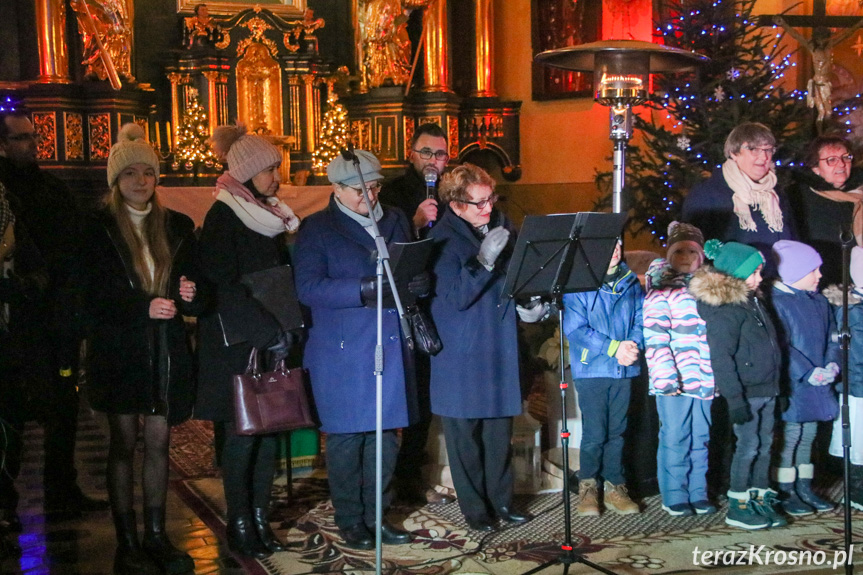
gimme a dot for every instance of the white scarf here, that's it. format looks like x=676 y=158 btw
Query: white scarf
x=257 y=218
x=749 y=193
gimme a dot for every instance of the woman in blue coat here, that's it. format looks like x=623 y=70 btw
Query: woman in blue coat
x=474 y=379
x=335 y=274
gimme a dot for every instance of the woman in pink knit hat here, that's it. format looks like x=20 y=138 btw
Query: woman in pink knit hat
x=244 y=232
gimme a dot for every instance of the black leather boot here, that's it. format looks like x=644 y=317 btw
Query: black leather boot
x=260 y=517
x=157 y=545
x=130 y=558
x=243 y=539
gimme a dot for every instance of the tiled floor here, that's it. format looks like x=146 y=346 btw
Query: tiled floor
x=86 y=546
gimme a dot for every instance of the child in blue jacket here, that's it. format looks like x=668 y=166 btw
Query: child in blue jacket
x=604 y=328
x=811 y=366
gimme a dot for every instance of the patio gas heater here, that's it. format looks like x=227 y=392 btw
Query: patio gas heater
x=621 y=70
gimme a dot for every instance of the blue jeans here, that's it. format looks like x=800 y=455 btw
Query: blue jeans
x=604 y=402
x=750 y=466
x=681 y=460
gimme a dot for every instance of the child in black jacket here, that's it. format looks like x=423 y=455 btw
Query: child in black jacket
x=745 y=357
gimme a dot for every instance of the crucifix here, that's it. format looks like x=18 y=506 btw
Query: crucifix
x=820 y=46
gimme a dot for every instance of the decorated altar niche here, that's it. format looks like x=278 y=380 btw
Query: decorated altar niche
x=255 y=67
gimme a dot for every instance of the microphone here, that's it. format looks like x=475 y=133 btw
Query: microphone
x=430 y=175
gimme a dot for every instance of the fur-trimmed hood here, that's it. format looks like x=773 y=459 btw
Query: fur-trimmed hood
x=716 y=288
x=833 y=293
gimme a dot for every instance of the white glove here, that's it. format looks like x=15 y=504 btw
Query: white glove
x=534 y=311
x=493 y=243
x=834 y=367
x=821 y=376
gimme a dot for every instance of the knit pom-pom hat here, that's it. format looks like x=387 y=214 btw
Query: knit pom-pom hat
x=132 y=147
x=733 y=258
x=247 y=154
x=682 y=235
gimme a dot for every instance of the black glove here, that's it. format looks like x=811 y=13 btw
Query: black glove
x=280 y=349
x=740 y=414
x=369 y=292
x=420 y=284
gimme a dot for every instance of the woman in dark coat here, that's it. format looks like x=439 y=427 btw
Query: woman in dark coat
x=136 y=268
x=335 y=273
x=828 y=200
x=475 y=380
x=245 y=231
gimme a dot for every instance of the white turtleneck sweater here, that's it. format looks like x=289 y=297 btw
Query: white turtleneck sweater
x=137 y=217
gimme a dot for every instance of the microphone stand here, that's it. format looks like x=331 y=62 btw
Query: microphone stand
x=383 y=263
x=847 y=240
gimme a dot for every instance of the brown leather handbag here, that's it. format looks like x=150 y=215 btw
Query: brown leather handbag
x=272 y=401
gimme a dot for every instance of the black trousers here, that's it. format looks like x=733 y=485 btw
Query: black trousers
x=412 y=452
x=480 y=459
x=248 y=468
x=351 y=475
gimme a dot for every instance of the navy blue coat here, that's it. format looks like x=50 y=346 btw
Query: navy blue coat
x=332 y=254
x=593 y=319
x=476 y=374
x=804 y=328
x=710 y=208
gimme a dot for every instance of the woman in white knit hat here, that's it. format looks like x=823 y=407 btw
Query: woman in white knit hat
x=244 y=232
x=138 y=267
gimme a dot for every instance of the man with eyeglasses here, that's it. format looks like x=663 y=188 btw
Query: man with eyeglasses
x=828 y=200
x=428 y=157
x=44 y=206
x=741 y=202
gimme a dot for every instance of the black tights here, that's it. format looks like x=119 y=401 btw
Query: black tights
x=121 y=454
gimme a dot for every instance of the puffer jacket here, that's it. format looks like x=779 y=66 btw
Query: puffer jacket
x=804 y=324
x=594 y=320
x=744 y=351
x=833 y=294
x=675 y=337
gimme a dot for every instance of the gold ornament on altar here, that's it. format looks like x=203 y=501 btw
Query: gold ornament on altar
x=386 y=45
x=304 y=32
x=201 y=29
x=105 y=25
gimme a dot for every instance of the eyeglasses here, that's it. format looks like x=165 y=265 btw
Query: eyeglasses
x=482 y=203
x=766 y=150
x=373 y=188
x=833 y=160
x=427 y=153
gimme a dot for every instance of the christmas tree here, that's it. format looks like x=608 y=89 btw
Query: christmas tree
x=683 y=136
x=192 y=148
x=334 y=135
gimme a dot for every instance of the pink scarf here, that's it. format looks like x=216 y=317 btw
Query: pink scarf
x=233 y=186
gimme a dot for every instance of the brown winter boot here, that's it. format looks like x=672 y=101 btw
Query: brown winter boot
x=588 y=499
x=617 y=499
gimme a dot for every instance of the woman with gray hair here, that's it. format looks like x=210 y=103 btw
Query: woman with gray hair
x=740 y=202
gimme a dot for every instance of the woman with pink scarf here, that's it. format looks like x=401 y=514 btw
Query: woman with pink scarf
x=244 y=232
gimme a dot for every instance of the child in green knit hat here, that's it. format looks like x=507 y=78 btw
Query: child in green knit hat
x=746 y=359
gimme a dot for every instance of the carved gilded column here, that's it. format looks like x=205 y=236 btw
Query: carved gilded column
x=312 y=112
x=484 y=14
x=435 y=31
x=176 y=80
x=51 y=37
x=358 y=46
x=213 y=105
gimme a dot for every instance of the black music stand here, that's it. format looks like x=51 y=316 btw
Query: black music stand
x=554 y=255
